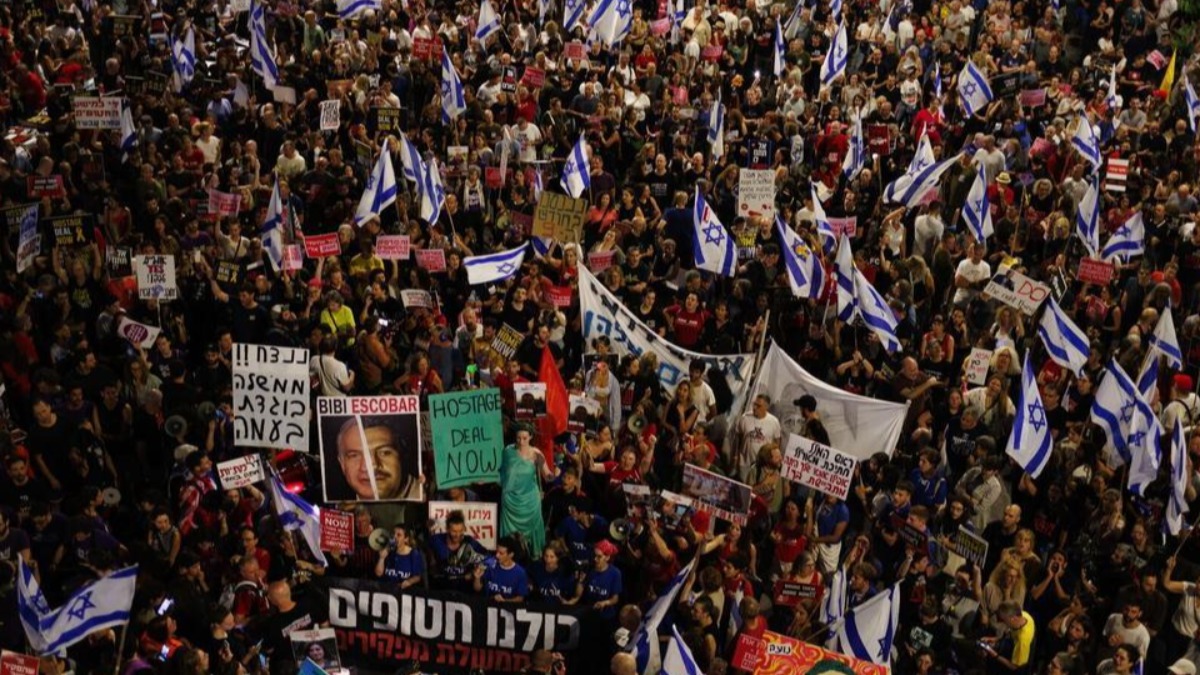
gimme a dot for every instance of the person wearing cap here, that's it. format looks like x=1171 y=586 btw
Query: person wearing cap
x=1183 y=404
x=601 y=588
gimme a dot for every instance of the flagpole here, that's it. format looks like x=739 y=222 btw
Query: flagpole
x=758 y=355
x=1185 y=537
x=120 y=648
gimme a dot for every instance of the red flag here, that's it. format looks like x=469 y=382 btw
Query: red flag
x=557 y=404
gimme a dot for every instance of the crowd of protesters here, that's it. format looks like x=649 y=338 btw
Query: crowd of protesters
x=1079 y=577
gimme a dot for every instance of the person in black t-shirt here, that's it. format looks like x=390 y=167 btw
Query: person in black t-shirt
x=290 y=615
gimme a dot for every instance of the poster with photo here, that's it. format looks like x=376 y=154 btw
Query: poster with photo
x=370 y=448
x=318 y=645
x=723 y=497
x=530 y=399
x=585 y=414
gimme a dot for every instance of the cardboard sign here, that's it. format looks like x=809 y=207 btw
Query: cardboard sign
x=976 y=369
x=13 y=663
x=140 y=334
x=1017 y=290
x=791 y=593
x=393 y=247
x=331 y=115
x=818 y=466
x=1092 y=271
x=45 y=186
x=559 y=217
x=92 y=112
x=723 y=497
x=322 y=245
x=970 y=546
x=240 y=472
x=848 y=226
x=293 y=257
x=156 y=277
x=480 y=517
x=73 y=230
x=467 y=437
x=414 y=297
x=270 y=396
x=598 y=261
x=756 y=194
x=530 y=399
x=574 y=51
x=507 y=340
x=224 y=203
x=337 y=530
x=559 y=296
x=534 y=77
x=431 y=259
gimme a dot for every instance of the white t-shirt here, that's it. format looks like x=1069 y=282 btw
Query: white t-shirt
x=529 y=138
x=704 y=399
x=331 y=372
x=756 y=433
x=973 y=272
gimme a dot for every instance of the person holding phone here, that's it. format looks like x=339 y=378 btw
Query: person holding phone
x=1010 y=653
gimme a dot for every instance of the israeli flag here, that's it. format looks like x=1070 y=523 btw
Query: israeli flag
x=922 y=176
x=679 y=659
x=1193 y=103
x=644 y=643
x=611 y=21
x=454 y=102
x=1084 y=140
x=780 y=49
x=1177 y=506
x=433 y=193
x=296 y=514
x=805 y=273
x=183 y=59
x=271 y=232
x=1128 y=422
x=870 y=628
x=543 y=10
x=716 y=130
x=1030 y=444
x=677 y=14
x=573 y=14
x=824 y=229
x=489 y=21
x=129 y=139
x=309 y=667
x=847 y=300
x=836 y=58
x=856 y=155
x=488 y=269
x=974 y=92
x=937 y=79
x=349 y=9
x=1087 y=219
x=413 y=165
x=262 y=61
x=1147 y=381
x=576 y=175
x=713 y=247
x=833 y=606
x=1128 y=241
x=31 y=606
x=1113 y=100
x=1066 y=344
x=1165 y=341
x=835 y=9
x=792 y=26
x=876 y=312
x=102 y=604
x=380 y=191
x=538 y=187
x=977 y=211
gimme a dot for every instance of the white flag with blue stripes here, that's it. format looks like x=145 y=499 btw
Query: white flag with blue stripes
x=1164 y=339
x=488 y=269
x=31 y=606
x=433 y=193
x=847 y=301
x=836 y=58
x=1113 y=99
x=974 y=91
x=576 y=173
x=611 y=21
x=183 y=59
x=792 y=26
x=271 y=233
x=1087 y=219
x=573 y=14
x=716 y=130
x=714 y=249
x=1147 y=381
x=295 y=514
x=805 y=273
x=644 y=643
x=129 y=139
x=1130 y=427
x=856 y=154
x=1065 y=342
x=825 y=232
x=349 y=9
x=262 y=58
x=679 y=659
x=1084 y=140
x=869 y=630
x=977 y=210
x=1128 y=241
x=780 y=49
x=1177 y=505
x=835 y=9
x=1030 y=443
x=833 y=606
x=1192 y=102
x=454 y=102
x=488 y=23
x=921 y=176
x=876 y=312
x=102 y=604
x=380 y=191
x=410 y=158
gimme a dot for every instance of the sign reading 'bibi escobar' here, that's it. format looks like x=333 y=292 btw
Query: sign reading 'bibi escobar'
x=818 y=466
x=466 y=437
x=270 y=396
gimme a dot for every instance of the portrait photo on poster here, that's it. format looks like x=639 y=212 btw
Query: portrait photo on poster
x=370 y=457
x=319 y=646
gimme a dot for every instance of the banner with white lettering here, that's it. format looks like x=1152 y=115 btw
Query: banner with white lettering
x=270 y=396
x=140 y=334
x=604 y=314
x=445 y=632
x=240 y=472
x=156 y=277
x=95 y=112
x=481 y=519
x=818 y=466
x=371 y=448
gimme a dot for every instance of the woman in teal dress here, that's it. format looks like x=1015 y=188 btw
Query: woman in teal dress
x=522 y=469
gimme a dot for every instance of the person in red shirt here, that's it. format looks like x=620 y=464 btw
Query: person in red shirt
x=929 y=121
x=31 y=88
x=686 y=322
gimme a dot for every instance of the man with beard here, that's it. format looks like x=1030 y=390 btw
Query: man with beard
x=391 y=462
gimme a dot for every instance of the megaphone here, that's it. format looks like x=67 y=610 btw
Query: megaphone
x=380 y=539
x=205 y=410
x=175 y=426
x=111 y=496
x=620 y=529
x=636 y=424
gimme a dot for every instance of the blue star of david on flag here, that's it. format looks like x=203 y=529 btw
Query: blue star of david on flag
x=1037 y=416
x=1127 y=412
x=713 y=234
x=81 y=605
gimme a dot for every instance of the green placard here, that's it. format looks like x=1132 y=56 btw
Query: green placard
x=467 y=437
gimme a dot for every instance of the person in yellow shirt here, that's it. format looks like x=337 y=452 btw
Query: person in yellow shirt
x=339 y=318
x=362 y=265
x=1012 y=652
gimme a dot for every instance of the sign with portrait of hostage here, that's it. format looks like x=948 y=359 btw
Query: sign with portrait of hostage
x=371 y=448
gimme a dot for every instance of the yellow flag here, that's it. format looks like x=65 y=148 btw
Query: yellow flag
x=1168 y=80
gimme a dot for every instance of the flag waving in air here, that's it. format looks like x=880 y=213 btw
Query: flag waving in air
x=1128 y=241
x=576 y=176
x=922 y=175
x=1164 y=339
x=271 y=232
x=836 y=58
x=262 y=60
x=454 y=102
x=1084 y=140
x=974 y=91
x=805 y=273
x=295 y=514
x=380 y=191
x=869 y=629
x=1087 y=219
x=1065 y=342
x=1030 y=443
x=714 y=249
x=977 y=210
x=780 y=48
x=489 y=21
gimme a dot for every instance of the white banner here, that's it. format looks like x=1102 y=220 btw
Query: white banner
x=976 y=369
x=603 y=314
x=140 y=334
x=240 y=472
x=857 y=425
x=97 y=112
x=1017 y=290
x=756 y=193
x=270 y=396
x=818 y=466
x=331 y=115
x=156 y=277
x=481 y=519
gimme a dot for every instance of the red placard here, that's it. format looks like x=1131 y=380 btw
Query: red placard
x=322 y=245
x=13 y=663
x=46 y=186
x=660 y=27
x=533 y=78
x=337 y=530
x=293 y=258
x=1032 y=98
x=521 y=221
x=393 y=246
x=679 y=95
x=745 y=655
x=559 y=296
x=712 y=52
x=492 y=178
x=1092 y=271
x=879 y=140
x=575 y=50
x=600 y=260
x=427 y=49
x=431 y=259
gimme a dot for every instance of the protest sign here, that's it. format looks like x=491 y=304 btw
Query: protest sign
x=1116 y=174
x=534 y=77
x=791 y=593
x=96 y=112
x=559 y=217
x=371 y=448
x=322 y=245
x=481 y=519
x=293 y=257
x=507 y=340
x=1092 y=271
x=879 y=139
x=530 y=399
x=1017 y=290
x=1033 y=98
x=337 y=530
x=317 y=641
x=386 y=120
x=270 y=396
x=776 y=653
x=660 y=27
x=331 y=115
x=598 y=261
x=818 y=466
x=415 y=297
x=675 y=509
x=30 y=241
x=493 y=177
x=585 y=415
x=574 y=51
x=559 y=296
x=970 y=546
x=156 y=277
x=847 y=226
x=976 y=368
x=723 y=497
x=913 y=537
x=45 y=186
x=139 y=334
x=639 y=501
x=393 y=247
x=240 y=472
x=756 y=194
x=118 y=260
x=431 y=259
x=224 y=203
x=72 y=230
x=427 y=49
x=15 y=663
x=712 y=52
x=467 y=437
x=228 y=272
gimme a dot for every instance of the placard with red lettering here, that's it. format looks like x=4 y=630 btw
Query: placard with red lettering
x=156 y=277
x=431 y=259
x=1092 y=271
x=14 y=663
x=224 y=203
x=1017 y=290
x=240 y=472
x=575 y=50
x=1032 y=98
x=818 y=466
x=337 y=530
x=679 y=95
x=322 y=245
x=393 y=247
x=660 y=27
x=712 y=52
x=598 y=261
x=371 y=447
x=848 y=226
x=534 y=77
x=559 y=296
x=46 y=186
x=481 y=520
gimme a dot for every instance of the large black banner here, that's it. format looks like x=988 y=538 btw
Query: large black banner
x=445 y=632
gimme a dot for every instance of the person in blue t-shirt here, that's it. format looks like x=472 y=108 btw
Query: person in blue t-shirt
x=929 y=487
x=601 y=587
x=580 y=530
x=504 y=581
x=549 y=577
x=455 y=554
x=400 y=562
